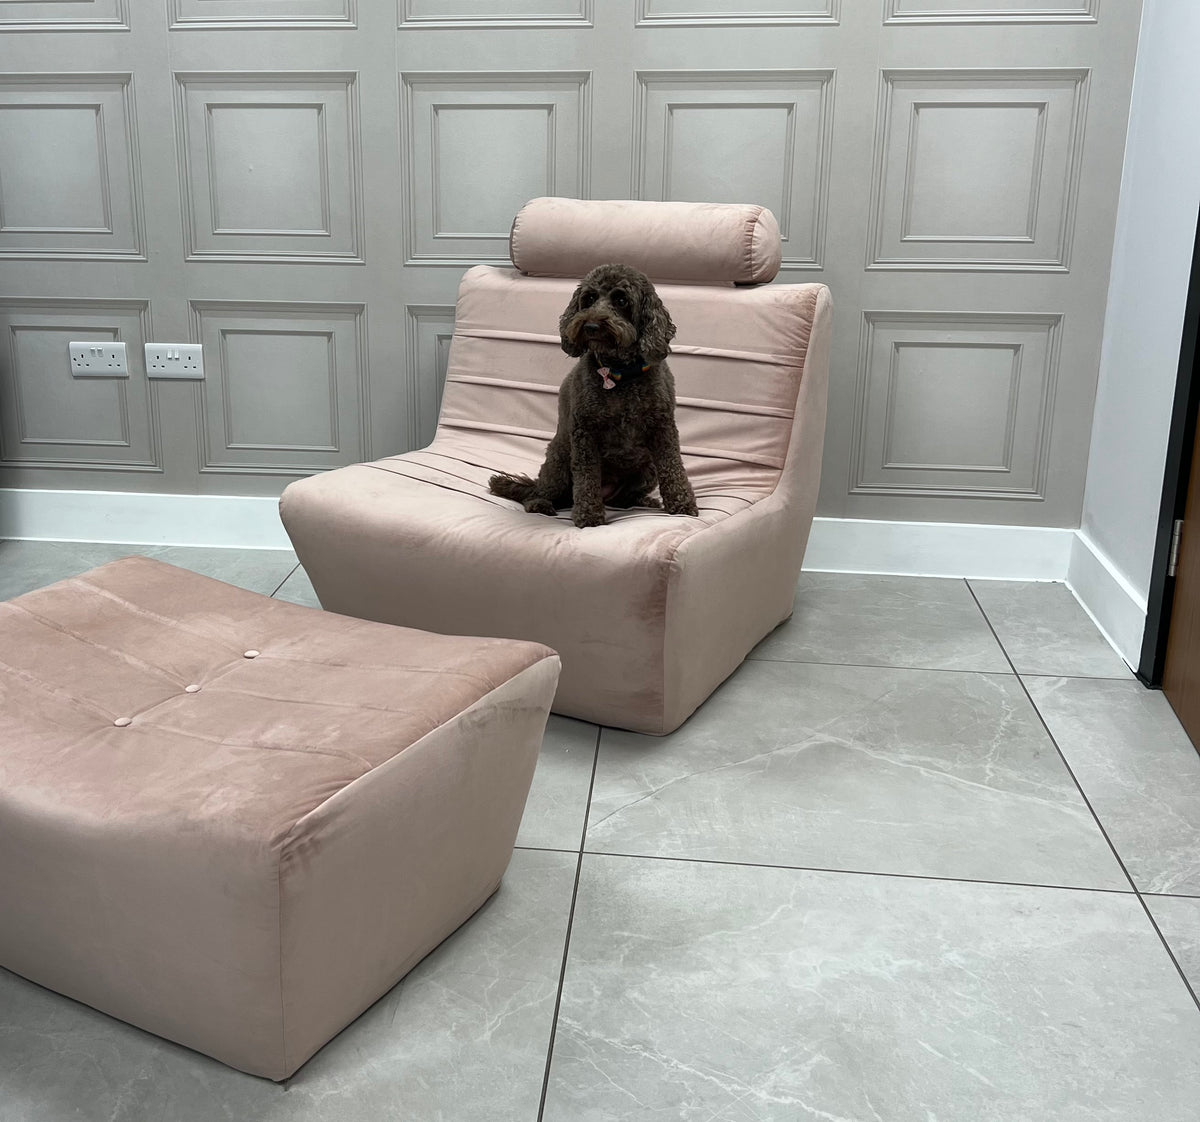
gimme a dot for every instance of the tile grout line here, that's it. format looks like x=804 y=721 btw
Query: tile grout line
x=1092 y=810
x=562 y=973
x=861 y=873
x=875 y=666
x=291 y=573
x=940 y=669
x=1167 y=947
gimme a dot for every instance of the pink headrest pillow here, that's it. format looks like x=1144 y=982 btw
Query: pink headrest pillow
x=715 y=243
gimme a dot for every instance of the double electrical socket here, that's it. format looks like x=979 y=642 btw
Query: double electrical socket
x=163 y=360
x=98 y=360
x=174 y=360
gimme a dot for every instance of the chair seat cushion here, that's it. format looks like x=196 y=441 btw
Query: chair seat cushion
x=237 y=822
x=417 y=538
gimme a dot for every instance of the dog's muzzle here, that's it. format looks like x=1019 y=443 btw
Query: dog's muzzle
x=601 y=332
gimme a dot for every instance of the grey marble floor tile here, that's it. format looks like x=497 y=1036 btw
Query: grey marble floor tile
x=26 y=565
x=259 y=570
x=298 y=589
x=462 y=1037
x=702 y=993
x=1138 y=768
x=885 y=621
x=904 y=771
x=1178 y=918
x=554 y=814
x=1045 y=631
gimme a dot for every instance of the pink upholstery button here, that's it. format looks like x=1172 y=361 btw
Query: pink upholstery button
x=193 y=688
x=121 y=722
x=250 y=654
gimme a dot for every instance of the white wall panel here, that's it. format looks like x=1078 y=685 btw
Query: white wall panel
x=738 y=136
x=708 y=13
x=430 y=328
x=64 y=15
x=270 y=14
x=286 y=386
x=955 y=404
x=69 y=175
x=271 y=166
x=489 y=14
x=50 y=419
x=478 y=147
x=977 y=170
x=991 y=11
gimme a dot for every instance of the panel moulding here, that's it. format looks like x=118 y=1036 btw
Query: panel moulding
x=1036 y=169
x=308 y=319
x=111 y=15
x=67 y=315
x=418 y=131
x=1010 y=420
x=224 y=334
x=939 y=323
x=569 y=13
x=73 y=86
x=1005 y=84
x=423 y=384
x=188 y=15
x=771 y=83
x=651 y=13
x=928 y=11
x=548 y=109
x=198 y=184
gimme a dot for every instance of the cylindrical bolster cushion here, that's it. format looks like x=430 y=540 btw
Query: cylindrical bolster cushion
x=733 y=243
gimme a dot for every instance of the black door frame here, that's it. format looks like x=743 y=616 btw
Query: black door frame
x=1180 y=442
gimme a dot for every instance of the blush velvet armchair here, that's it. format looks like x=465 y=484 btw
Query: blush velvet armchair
x=651 y=612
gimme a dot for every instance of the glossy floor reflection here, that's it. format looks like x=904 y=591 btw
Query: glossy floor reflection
x=931 y=853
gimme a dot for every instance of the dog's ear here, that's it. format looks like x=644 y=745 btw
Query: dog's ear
x=569 y=313
x=657 y=328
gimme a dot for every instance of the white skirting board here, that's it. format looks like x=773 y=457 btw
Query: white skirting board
x=847 y=545
x=938 y=549
x=1116 y=607
x=230 y=521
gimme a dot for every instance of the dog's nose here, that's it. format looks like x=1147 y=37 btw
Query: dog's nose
x=591 y=328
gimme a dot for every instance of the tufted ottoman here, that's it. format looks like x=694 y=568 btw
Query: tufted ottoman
x=236 y=822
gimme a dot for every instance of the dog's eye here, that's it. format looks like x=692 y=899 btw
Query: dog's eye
x=620 y=300
x=587 y=299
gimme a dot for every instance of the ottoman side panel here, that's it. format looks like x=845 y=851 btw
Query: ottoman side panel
x=379 y=874
x=178 y=936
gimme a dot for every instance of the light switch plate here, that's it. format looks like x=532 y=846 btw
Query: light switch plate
x=174 y=360
x=101 y=359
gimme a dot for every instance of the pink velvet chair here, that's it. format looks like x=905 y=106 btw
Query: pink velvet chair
x=651 y=612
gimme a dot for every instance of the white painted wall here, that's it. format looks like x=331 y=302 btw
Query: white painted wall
x=1156 y=222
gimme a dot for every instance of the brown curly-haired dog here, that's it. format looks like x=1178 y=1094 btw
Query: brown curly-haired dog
x=616 y=438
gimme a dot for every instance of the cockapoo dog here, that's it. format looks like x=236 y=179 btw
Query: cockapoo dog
x=616 y=438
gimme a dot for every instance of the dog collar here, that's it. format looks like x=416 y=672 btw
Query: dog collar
x=611 y=375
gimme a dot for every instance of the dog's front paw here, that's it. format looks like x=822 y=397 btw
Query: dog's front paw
x=587 y=516
x=539 y=505
x=685 y=505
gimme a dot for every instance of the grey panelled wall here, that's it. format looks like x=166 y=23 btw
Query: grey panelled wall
x=299 y=184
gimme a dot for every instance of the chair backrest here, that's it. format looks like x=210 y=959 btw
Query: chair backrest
x=738 y=356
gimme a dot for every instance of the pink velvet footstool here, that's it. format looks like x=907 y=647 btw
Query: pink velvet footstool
x=236 y=822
